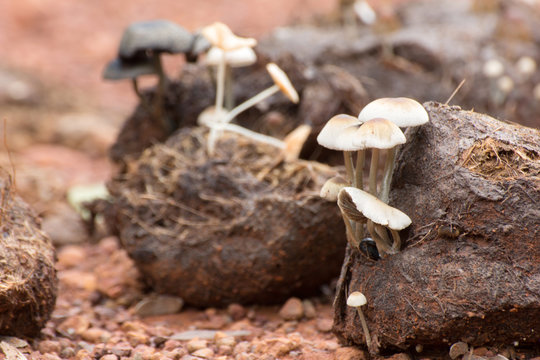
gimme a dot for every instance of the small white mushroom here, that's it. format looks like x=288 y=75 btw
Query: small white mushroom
x=404 y=112
x=338 y=134
x=294 y=141
x=356 y=300
x=332 y=187
x=378 y=133
x=360 y=206
x=281 y=82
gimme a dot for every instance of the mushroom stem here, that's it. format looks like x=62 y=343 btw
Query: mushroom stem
x=380 y=236
x=388 y=172
x=348 y=159
x=142 y=99
x=250 y=102
x=359 y=170
x=160 y=95
x=396 y=245
x=247 y=133
x=220 y=86
x=229 y=93
x=364 y=326
x=373 y=171
x=353 y=241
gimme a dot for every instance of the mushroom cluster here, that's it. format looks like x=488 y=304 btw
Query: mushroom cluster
x=377 y=129
x=227 y=51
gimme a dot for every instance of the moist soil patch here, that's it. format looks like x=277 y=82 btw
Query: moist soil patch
x=237 y=227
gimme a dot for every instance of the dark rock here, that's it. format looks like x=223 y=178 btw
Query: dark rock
x=469 y=268
x=214 y=231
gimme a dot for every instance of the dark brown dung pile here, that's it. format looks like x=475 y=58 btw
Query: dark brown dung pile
x=237 y=227
x=28 y=283
x=470 y=268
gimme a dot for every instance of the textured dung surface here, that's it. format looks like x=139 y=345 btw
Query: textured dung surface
x=28 y=283
x=217 y=230
x=471 y=263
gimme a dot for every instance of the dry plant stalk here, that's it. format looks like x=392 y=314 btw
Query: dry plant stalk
x=499 y=161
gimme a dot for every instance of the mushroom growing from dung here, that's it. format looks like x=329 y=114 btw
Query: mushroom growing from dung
x=359 y=206
x=240 y=57
x=332 y=187
x=337 y=134
x=403 y=112
x=377 y=134
x=119 y=69
x=146 y=41
x=221 y=37
x=281 y=82
x=356 y=300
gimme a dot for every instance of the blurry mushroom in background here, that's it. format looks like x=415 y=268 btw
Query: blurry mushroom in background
x=221 y=36
x=403 y=112
x=281 y=82
x=240 y=57
x=362 y=207
x=505 y=85
x=294 y=141
x=119 y=69
x=146 y=41
x=356 y=300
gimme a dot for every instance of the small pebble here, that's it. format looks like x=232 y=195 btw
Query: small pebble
x=236 y=311
x=205 y=353
x=109 y=357
x=350 y=353
x=309 y=309
x=95 y=335
x=325 y=325
x=49 y=346
x=293 y=309
x=196 y=344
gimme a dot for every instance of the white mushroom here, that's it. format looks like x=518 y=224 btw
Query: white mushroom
x=281 y=82
x=356 y=300
x=376 y=134
x=360 y=206
x=403 y=112
x=332 y=187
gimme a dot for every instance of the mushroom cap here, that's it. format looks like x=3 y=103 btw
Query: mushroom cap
x=401 y=111
x=356 y=299
x=282 y=81
x=359 y=205
x=338 y=133
x=220 y=35
x=378 y=133
x=364 y=12
x=294 y=141
x=119 y=69
x=157 y=36
x=332 y=187
x=244 y=56
x=211 y=116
